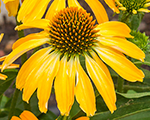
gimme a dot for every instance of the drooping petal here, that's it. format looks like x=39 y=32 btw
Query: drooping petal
x=111 y=4
x=50 y=68
x=11 y=6
x=98 y=10
x=11 y=66
x=120 y=64
x=3 y=58
x=27 y=115
x=39 y=23
x=3 y=77
x=30 y=65
x=56 y=6
x=1 y=36
x=124 y=46
x=101 y=64
x=32 y=9
x=103 y=83
x=63 y=88
x=114 y=28
x=34 y=77
x=84 y=92
x=15 y=118
x=21 y=50
x=40 y=35
x=74 y=3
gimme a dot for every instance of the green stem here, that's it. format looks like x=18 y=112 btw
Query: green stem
x=13 y=103
x=120 y=84
x=65 y=118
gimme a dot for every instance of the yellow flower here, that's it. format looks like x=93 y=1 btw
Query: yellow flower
x=11 y=6
x=133 y=6
x=25 y=115
x=2 y=76
x=35 y=9
x=72 y=36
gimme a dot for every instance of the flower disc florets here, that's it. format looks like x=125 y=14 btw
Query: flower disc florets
x=72 y=31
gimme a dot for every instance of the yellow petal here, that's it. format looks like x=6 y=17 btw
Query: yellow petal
x=101 y=64
x=111 y=4
x=98 y=10
x=3 y=58
x=1 y=36
x=55 y=7
x=143 y=10
x=103 y=83
x=120 y=64
x=11 y=66
x=30 y=65
x=114 y=28
x=83 y=118
x=84 y=92
x=71 y=74
x=74 y=3
x=11 y=6
x=147 y=5
x=15 y=118
x=122 y=8
x=63 y=89
x=3 y=77
x=39 y=23
x=124 y=46
x=40 y=35
x=21 y=50
x=50 y=69
x=31 y=10
x=27 y=115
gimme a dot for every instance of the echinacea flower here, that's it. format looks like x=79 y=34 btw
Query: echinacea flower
x=2 y=76
x=133 y=6
x=31 y=10
x=11 y=6
x=25 y=115
x=72 y=36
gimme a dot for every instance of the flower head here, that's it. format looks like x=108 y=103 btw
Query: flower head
x=133 y=6
x=11 y=6
x=72 y=36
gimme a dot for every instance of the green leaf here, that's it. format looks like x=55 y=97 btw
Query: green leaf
x=48 y=116
x=125 y=108
x=3 y=100
x=141 y=63
x=133 y=94
x=4 y=84
x=75 y=110
x=138 y=115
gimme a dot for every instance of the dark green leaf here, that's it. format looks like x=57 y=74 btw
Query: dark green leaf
x=48 y=116
x=125 y=108
x=4 y=84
